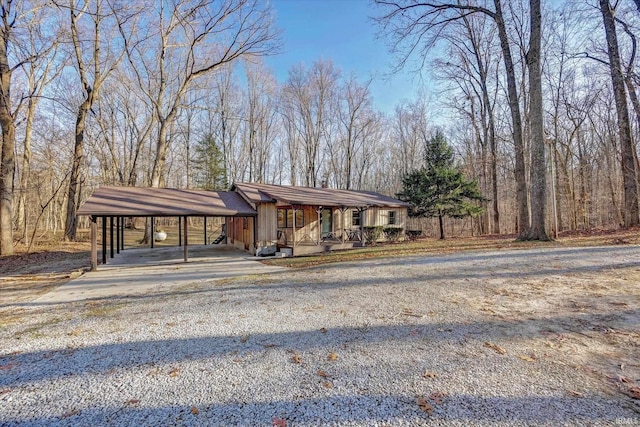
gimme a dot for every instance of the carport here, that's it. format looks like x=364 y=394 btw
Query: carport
x=117 y=203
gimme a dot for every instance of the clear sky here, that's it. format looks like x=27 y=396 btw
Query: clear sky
x=340 y=30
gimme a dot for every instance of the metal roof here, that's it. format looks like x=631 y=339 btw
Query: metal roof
x=137 y=201
x=267 y=193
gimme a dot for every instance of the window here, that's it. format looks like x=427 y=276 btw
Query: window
x=285 y=218
x=355 y=217
x=392 y=217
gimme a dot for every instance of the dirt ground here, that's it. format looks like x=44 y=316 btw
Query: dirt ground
x=586 y=318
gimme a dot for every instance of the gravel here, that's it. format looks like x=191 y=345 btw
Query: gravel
x=476 y=339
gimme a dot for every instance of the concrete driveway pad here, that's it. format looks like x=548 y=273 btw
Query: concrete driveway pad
x=136 y=271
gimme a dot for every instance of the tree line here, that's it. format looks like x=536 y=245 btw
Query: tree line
x=176 y=93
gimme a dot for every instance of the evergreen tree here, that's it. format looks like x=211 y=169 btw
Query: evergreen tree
x=208 y=165
x=439 y=188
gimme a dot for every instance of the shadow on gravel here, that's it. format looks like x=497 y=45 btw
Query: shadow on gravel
x=23 y=368
x=365 y=410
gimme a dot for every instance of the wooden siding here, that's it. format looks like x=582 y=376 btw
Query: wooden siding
x=372 y=217
x=240 y=233
x=267 y=224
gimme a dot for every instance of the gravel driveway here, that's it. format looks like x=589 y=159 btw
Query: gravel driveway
x=531 y=337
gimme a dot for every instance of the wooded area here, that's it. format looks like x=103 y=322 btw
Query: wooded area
x=538 y=100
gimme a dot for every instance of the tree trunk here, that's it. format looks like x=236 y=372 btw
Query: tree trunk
x=7 y=159
x=629 y=174
x=440 y=223
x=514 y=107
x=538 y=164
x=161 y=155
x=26 y=171
x=71 y=224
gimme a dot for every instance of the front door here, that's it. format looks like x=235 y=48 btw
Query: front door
x=326 y=221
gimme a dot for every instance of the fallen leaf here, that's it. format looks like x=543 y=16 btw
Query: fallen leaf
x=296 y=358
x=194 y=410
x=327 y=384
x=495 y=347
x=429 y=374
x=424 y=405
x=244 y=338
x=8 y=366
x=278 y=422
x=526 y=358
x=132 y=402
x=437 y=397
x=332 y=357
x=323 y=330
x=70 y=413
x=322 y=373
x=574 y=393
x=174 y=372
x=634 y=392
x=4 y=391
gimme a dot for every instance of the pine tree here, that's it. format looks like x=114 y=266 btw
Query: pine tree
x=208 y=165
x=439 y=188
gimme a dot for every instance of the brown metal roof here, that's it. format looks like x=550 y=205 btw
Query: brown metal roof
x=137 y=201
x=265 y=193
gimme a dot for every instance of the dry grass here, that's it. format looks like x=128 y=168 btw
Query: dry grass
x=430 y=246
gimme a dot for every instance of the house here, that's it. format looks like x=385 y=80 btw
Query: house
x=260 y=218
x=306 y=220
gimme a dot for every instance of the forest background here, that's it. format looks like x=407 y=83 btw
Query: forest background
x=539 y=102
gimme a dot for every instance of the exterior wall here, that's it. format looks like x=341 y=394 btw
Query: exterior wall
x=240 y=233
x=375 y=217
x=267 y=231
x=372 y=217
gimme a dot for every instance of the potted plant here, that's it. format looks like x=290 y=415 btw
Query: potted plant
x=160 y=235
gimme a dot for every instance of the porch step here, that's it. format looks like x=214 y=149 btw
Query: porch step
x=219 y=239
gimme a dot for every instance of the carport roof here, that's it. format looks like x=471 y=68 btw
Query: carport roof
x=137 y=201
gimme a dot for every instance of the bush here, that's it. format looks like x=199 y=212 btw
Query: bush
x=393 y=233
x=372 y=234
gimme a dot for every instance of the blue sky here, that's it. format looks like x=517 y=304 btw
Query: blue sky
x=340 y=30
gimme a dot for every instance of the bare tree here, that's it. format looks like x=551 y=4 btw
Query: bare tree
x=188 y=40
x=414 y=28
x=96 y=59
x=16 y=16
x=7 y=122
x=629 y=172
x=538 y=160
x=311 y=95
x=45 y=67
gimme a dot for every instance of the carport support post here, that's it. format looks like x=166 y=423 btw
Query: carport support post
x=104 y=239
x=153 y=231
x=94 y=244
x=111 y=236
x=185 y=239
x=117 y=234
x=179 y=231
x=205 y=230
x=122 y=222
